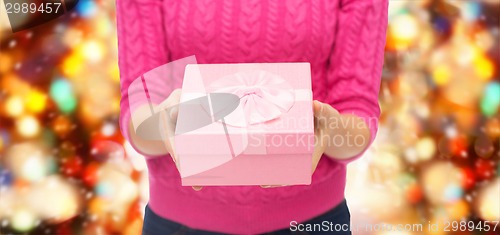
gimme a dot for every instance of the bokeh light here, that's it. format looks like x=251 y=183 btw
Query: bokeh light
x=488 y=203
x=403 y=31
x=36 y=101
x=28 y=126
x=29 y=161
x=23 y=220
x=14 y=106
x=87 y=8
x=61 y=199
x=490 y=102
x=61 y=92
x=92 y=50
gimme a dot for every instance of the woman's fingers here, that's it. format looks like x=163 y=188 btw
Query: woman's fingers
x=173 y=113
x=273 y=186
x=322 y=110
x=317 y=108
x=325 y=117
x=197 y=188
x=168 y=113
x=319 y=149
x=174 y=100
x=170 y=110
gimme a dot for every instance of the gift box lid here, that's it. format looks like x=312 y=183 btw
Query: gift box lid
x=241 y=103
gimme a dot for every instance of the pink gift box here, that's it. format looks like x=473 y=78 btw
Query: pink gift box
x=245 y=124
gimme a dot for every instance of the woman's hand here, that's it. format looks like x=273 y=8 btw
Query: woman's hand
x=323 y=115
x=336 y=135
x=165 y=124
x=166 y=118
x=339 y=136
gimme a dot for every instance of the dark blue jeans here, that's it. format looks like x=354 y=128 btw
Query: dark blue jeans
x=336 y=221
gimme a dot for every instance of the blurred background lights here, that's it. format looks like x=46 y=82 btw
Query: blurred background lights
x=426 y=148
x=453 y=193
x=28 y=126
x=103 y=26
x=487 y=201
x=490 y=101
x=23 y=220
x=72 y=37
x=92 y=50
x=29 y=161
x=484 y=67
x=485 y=168
x=72 y=65
x=468 y=178
x=107 y=150
x=6 y=63
x=458 y=210
x=5 y=177
x=33 y=169
x=470 y=10
x=104 y=189
x=86 y=8
x=36 y=101
x=484 y=40
x=466 y=53
x=61 y=92
x=493 y=127
x=402 y=31
x=440 y=181
x=4 y=139
x=62 y=125
x=484 y=147
x=108 y=129
x=14 y=106
x=61 y=200
x=441 y=74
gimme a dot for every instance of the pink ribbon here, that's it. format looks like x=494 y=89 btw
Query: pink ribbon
x=263 y=96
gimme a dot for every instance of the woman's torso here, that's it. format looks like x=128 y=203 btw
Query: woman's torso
x=243 y=32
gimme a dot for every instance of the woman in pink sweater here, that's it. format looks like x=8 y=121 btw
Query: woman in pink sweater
x=343 y=40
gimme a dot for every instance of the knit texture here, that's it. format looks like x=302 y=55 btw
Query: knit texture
x=343 y=40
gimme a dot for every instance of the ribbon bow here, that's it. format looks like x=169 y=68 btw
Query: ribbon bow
x=263 y=96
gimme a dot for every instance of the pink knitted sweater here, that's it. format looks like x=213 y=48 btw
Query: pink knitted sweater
x=342 y=39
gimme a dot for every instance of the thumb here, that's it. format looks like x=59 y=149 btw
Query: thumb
x=317 y=108
x=197 y=188
x=171 y=105
x=173 y=113
x=323 y=110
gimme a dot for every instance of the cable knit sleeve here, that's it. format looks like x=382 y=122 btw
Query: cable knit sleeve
x=356 y=61
x=141 y=47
